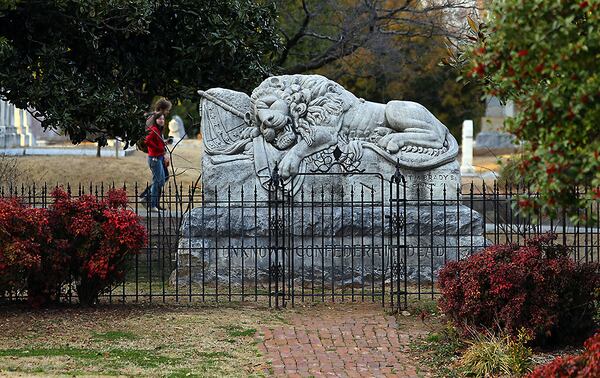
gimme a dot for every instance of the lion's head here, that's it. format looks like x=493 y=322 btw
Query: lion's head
x=291 y=106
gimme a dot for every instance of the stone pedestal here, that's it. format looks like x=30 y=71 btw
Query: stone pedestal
x=8 y=132
x=343 y=246
x=492 y=140
x=22 y=120
x=492 y=137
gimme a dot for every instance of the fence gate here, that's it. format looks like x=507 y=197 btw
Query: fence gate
x=335 y=234
x=398 y=242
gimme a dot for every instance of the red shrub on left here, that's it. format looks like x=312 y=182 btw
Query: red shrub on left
x=83 y=241
x=29 y=258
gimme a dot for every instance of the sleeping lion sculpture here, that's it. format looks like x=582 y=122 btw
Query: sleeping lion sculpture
x=302 y=115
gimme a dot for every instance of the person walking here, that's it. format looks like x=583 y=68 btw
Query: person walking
x=155 y=122
x=157 y=161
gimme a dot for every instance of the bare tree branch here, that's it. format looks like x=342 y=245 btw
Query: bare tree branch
x=333 y=31
x=291 y=42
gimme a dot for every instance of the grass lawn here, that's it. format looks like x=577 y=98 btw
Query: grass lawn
x=86 y=169
x=134 y=168
x=173 y=341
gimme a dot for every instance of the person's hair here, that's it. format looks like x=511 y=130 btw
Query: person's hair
x=162 y=105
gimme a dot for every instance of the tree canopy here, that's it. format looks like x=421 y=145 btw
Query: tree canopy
x=91 y=68
x=544 y=56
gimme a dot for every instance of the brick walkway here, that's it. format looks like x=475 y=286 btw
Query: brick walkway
x=340 y=341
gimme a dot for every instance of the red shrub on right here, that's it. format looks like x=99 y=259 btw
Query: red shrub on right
x=536 y=287
x=585 y=365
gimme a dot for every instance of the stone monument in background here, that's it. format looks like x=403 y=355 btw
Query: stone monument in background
x=319 y=138
x=15 y=126
x=466 y=167
x=492 y=137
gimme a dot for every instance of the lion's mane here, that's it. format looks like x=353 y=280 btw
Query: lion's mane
x=313 y=100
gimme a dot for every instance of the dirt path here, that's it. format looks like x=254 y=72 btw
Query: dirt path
x=353 y=340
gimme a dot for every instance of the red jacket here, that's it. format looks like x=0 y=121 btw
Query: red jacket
x=155 y=142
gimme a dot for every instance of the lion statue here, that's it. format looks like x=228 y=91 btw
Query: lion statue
x=306 y=114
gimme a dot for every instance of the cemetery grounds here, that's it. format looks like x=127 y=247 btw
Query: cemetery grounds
x=214 y=339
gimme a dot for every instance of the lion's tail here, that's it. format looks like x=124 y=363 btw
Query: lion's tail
x=446 y=155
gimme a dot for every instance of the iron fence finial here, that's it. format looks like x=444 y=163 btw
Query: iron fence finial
x=397 y=177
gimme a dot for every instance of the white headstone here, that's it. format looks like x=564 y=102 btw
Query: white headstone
x=176 y=129
x=466 y=166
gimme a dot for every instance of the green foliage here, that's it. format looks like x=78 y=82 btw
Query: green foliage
x=543 y=55
x=238 y=331
x=491 y=355
x=423 y=306
x=138 y=357
x=91 y=68
x=440 y=350
x=452 y=102
x=509 y=174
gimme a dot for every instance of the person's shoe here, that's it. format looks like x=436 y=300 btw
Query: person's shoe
x=156 y=210
x=143 y=201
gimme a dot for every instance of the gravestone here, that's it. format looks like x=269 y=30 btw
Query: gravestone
x=467 y=148
x=492 y=136
x=317 y=136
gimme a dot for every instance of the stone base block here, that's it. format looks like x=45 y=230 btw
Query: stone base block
x=329 y=246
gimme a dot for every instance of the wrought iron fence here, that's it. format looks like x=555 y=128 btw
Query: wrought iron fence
x=374 y=243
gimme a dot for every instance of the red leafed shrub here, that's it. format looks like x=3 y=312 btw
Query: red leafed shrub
x=585 y=365
x=29 y=258
x=83 y=241
x=22 y=231
x=536 y=287
x=100 y=237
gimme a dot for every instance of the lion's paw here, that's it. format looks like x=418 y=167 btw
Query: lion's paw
x=392 y=143
x=382 y=131
x=289 y=166
x=249 y=133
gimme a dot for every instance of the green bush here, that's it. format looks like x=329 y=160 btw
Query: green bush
x=440 y=350
x=489 y=354
x=543 y=55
